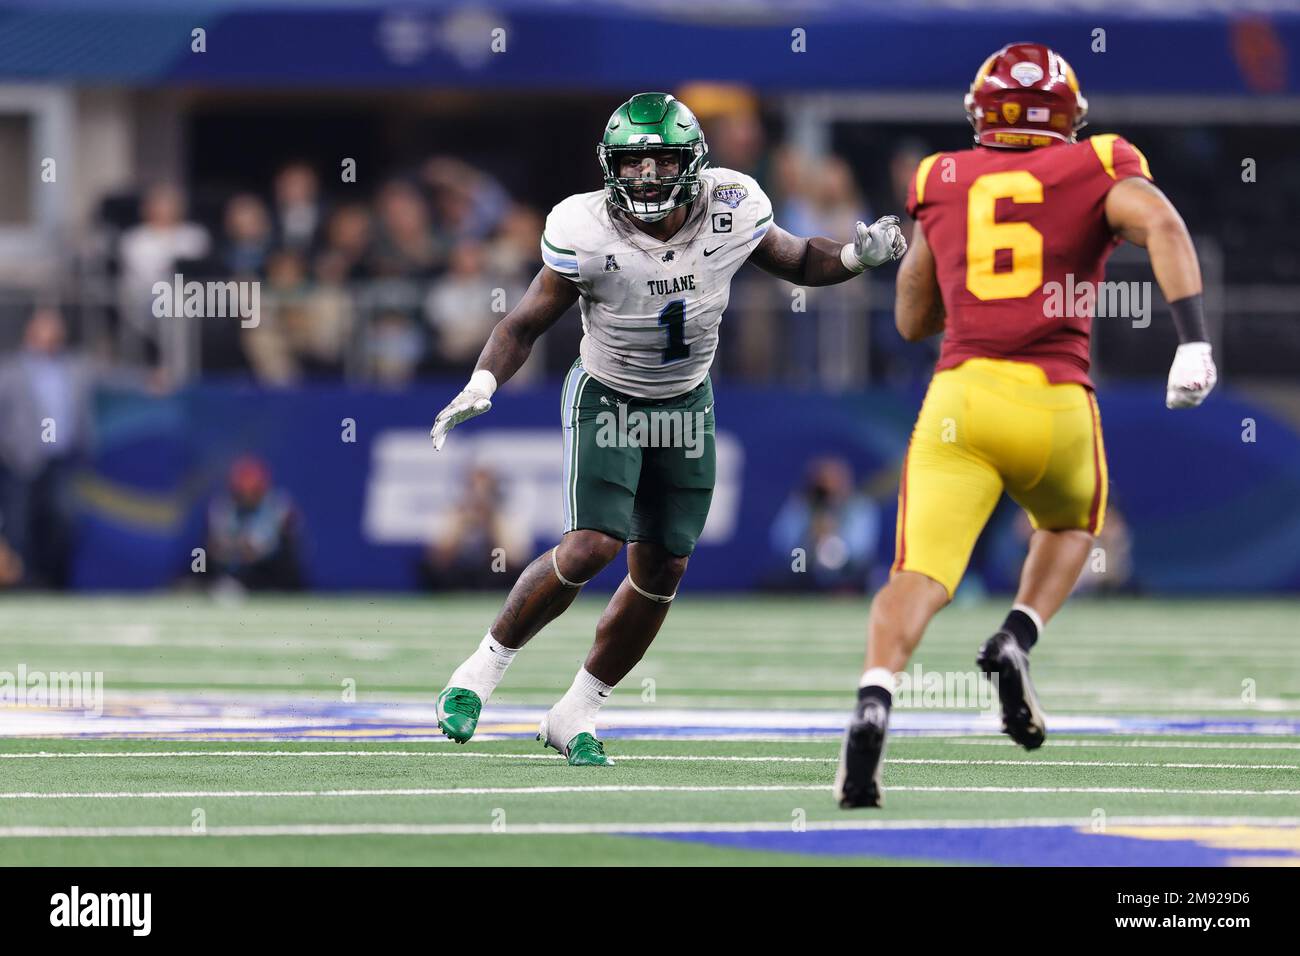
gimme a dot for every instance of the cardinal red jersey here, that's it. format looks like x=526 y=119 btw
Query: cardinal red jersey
x=1004 y=225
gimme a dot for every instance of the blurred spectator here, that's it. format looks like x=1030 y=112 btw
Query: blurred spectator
x=822 y=198
x=45 y=422
x=470 y=204
x=479 y=550
x=836 y=528
x=464 y=305
x=253 y=532
x=394 y=348
x=729 y=115
x=11 y=564
x=899 y=363
x=150 y=251
x=303 y=328
x=789 y=176
x=902 y=167
x=247 y=239
x=1109 y=569
x=514 y=250
x=406 y=246
x=299 y=214
x=347 y=245
x=826 y=345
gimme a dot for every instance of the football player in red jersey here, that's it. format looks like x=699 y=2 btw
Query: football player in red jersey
x=1001 y=230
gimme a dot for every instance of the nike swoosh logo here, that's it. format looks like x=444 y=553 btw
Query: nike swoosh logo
x=709 y=252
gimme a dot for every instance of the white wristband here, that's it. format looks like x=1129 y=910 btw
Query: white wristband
x=849 y=259
x=483 y=381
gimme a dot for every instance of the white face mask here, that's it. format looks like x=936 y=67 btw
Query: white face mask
x=649 y=173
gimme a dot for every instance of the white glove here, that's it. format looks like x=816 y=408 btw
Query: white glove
x=473 y=400
x=1192 y=375
x=880 y=242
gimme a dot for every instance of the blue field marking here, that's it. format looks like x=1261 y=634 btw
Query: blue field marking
x=256 y=717
x=1009 y=846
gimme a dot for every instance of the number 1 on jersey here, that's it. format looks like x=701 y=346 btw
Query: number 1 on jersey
x=673 y=315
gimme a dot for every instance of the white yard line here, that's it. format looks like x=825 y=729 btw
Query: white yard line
x=1139 y=744
x=653 y=758
x=1119 y=790
x=567 y=829
x=405 y=792
x=1095 y=763
x=613 y=788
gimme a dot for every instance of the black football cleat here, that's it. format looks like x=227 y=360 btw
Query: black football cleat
x=1022 y=719
x=857 y=783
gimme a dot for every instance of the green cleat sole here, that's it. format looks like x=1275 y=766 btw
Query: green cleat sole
x=450 y=736
x=458 y=713
x=584 y=750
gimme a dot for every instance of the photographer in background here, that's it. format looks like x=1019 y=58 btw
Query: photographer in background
x=480 y=549
x=253 y=532
x=836 y=527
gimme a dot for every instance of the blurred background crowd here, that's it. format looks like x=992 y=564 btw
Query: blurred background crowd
x=399 y=272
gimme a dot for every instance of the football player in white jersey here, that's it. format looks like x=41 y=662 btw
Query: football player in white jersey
x=649 y=258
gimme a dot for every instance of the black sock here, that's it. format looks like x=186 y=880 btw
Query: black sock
x=1022 y=628
x=877 y=693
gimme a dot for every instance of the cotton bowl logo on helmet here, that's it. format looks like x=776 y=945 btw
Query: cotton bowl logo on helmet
x=658 y=124
x=1025 y=95
x=1026 y=73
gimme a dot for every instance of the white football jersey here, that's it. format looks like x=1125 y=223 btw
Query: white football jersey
x=651 y=309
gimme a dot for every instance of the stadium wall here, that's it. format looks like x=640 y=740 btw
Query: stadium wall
x=1210 y=499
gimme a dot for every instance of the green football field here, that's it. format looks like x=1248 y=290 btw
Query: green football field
x=301 y=731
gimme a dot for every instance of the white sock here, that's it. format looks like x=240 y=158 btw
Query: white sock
x=877 y=677
x=483 y=670
x=576 y=711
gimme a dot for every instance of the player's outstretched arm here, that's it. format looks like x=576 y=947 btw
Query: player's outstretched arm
x=1139 y=212
x=821 y=261
x=548 y=297
x=918 y=303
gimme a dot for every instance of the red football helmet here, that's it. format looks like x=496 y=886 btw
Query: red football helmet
x=1025 y=95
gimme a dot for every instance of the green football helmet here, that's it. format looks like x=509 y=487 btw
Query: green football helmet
x=648 y=125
